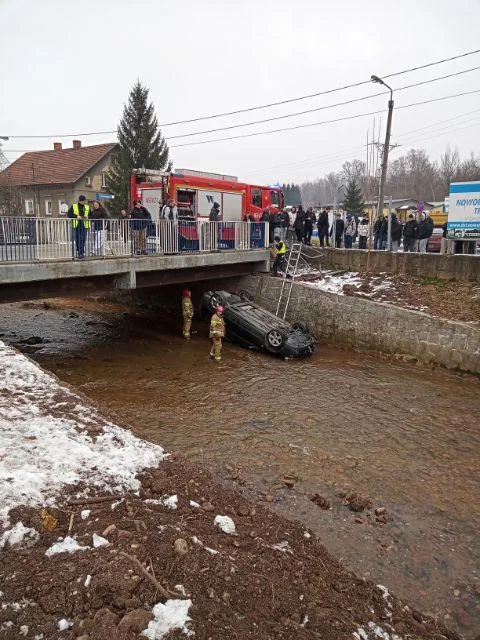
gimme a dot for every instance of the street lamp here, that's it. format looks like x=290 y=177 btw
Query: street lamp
x=386 y=147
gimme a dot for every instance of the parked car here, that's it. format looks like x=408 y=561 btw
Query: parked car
x=251 y=326
x=435 y=240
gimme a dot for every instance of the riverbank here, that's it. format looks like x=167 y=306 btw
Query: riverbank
x=98 y=543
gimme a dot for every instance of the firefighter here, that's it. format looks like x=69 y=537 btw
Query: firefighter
x=280 y=251
x=187 y=310
x=79 y=213
x=217 y=332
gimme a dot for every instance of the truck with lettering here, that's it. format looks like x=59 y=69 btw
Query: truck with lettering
x=195 y=192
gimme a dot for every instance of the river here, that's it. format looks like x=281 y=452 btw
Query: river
x=339 y=422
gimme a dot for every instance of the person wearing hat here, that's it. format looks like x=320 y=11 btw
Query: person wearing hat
x=187 y=312
x=79 y=213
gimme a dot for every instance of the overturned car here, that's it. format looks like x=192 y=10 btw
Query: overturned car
x=251 y=326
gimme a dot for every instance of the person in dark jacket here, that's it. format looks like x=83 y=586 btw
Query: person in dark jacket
x=410 y=234
x=299 y=223
x=139 y=219
x=322 y=226
x=214 y=213
x=285 y=221
x=100 y=224
x=377 y=227
x=396 y=233
x=79 y=213
x=382 y=242
x=338 y=227
x=424 y=231
x=308 y=226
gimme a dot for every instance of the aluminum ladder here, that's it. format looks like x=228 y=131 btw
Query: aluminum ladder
x=287 y=284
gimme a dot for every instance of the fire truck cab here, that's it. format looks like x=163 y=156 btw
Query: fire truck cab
x=195 y=193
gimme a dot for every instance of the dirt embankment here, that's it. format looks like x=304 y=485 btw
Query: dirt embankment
x=271 y=579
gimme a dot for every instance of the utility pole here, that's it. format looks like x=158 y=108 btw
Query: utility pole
x=386 y=147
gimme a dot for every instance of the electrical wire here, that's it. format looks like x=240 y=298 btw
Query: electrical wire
x=264 y=106
x=316 y=124
x=329 y=106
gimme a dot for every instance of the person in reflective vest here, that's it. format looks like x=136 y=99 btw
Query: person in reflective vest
x=280 y=251
x=187 y=311
x=79 y=213
x=217 y=332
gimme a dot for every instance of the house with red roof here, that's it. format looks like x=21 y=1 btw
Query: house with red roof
x=41 y=183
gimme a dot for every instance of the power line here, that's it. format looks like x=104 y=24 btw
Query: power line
x=329 y=106
x=315 y=124
x=264 y=106
x=320 y=93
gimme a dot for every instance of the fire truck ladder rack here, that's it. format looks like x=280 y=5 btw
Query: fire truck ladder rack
x=291 y=270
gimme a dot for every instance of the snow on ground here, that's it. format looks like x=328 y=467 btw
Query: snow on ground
x=45 y=444
x=333 y=281
x=169 y=616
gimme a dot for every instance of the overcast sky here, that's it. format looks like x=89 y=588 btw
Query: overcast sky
x=67 y=67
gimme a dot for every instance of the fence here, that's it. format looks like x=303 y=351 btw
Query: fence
x=40 y=239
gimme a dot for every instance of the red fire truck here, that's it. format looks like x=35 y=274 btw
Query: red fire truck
x=196 y=191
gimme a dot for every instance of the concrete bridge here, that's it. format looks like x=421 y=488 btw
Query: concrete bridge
x=39 y=268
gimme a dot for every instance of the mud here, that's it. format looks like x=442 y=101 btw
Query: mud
x=403 y=438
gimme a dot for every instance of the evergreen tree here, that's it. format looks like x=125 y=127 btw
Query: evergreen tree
x=353 y=202
x=141 y=145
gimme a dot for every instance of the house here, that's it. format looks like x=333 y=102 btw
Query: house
x=40 y=182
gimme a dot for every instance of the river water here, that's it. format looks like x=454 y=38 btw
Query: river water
x=406 y=437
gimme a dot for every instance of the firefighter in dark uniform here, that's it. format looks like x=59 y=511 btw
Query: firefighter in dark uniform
x=187 y=311
x=217 y=332
x=280 y=251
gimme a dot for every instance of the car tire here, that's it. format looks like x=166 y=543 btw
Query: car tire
x=300 y=325
x=215 y=299
x=245 y=295
x=274 y=340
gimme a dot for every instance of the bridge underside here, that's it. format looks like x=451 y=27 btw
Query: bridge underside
x=70 y=278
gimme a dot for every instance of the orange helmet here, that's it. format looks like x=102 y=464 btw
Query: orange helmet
x=186 y=293
x=219 y=309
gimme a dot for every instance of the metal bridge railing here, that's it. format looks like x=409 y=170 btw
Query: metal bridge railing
x=43 y=239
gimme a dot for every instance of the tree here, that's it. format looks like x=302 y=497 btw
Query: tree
x=448 y=168
x=353 y=202
x=141 y=144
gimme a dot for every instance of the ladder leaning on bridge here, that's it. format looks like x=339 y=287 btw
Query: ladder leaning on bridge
x=291 y=270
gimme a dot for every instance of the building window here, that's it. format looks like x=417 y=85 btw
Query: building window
x=29 y=210
x=104 y=179
x=88 y=181
x=257 y=197
x=48 y=207
x=62 y=208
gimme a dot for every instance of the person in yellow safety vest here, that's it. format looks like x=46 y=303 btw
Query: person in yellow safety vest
x=79 y=213
x=217 y=332
x=187 y=310
x=280 y=251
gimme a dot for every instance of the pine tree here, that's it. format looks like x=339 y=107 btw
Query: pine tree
x=353 y=202
x=141 y=145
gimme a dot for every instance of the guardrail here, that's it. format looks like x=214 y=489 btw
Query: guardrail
x=41 y=239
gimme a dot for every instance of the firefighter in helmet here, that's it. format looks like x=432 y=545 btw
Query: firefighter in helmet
x=187 y=311
x=217 y=332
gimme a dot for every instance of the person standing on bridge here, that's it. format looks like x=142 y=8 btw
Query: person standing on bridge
x=140 y=217
x=187 y=311
x=217 y=332
x=79 y=213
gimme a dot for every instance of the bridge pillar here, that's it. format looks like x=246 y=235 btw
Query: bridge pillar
x=126 y=280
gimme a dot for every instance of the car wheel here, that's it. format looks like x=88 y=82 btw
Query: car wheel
x=215 y=300
x=245 y=295
x=274 y=340
x=301 y=326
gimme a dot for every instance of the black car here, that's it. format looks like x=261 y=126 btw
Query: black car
x=251 y=326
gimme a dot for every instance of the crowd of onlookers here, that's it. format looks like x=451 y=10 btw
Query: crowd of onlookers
x=344 y=230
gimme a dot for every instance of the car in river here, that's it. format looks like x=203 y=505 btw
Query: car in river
x=251 y=326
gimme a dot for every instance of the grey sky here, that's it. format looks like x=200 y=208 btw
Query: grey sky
x=67 y=67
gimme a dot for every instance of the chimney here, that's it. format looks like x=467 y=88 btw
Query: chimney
x=77 y=144
x=57 y=146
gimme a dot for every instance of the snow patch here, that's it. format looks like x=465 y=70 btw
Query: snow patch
x=195 y=540
x=23 y=630
x=19 y=536
x=283 y=546
x=373 y=632
x=64 y=624
x=169 y=616
x=68 y=545
x=171 y=502
x=98 y=541
x=85 y=514
x=36 y=429
x=225 y=524
x=88 y=580
x=194 y=504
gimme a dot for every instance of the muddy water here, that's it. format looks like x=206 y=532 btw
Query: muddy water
x=406 y=437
